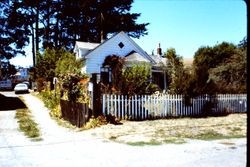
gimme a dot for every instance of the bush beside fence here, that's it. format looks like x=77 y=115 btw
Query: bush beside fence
x=141 y=107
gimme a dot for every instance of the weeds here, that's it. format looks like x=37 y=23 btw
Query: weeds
x=95 y=122
x=144 y=143
x=27 y=124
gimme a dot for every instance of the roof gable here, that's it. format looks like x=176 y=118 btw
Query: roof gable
x=124 y=36
x=135 y=57
x=86 y=45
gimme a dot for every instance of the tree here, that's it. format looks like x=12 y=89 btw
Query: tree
x=231 y=76
x=128 y=79
x=214 y=56
x=68 y=64
x=6 y=69
x=135 y=79
x=116 y=65
x=57 y=63
x=13 y=30
x=115 y=17
x=59 y=23
x=46 y=64
x=175 y=71
x=220 y=69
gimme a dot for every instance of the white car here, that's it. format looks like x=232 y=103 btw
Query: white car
x=21 y=88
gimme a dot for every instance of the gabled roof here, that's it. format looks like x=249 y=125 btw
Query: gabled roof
x=135 y=57
x=142 y=52
x=159 y=60
x=85 y=45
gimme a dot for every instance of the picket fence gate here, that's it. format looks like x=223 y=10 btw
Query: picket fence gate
x=141 y=107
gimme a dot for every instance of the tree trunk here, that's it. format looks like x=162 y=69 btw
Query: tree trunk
x=33 y=47
x=37 y=28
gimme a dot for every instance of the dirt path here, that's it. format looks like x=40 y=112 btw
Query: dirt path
x=50 y=131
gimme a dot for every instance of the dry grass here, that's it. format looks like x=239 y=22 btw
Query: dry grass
x=175 y=130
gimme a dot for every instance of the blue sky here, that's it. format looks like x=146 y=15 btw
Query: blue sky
x=184 y=25
x=187 y=25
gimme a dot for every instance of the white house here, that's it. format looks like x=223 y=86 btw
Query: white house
x=119 y=44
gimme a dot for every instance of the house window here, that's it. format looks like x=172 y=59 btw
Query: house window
x=106 y=75
x=121 y=45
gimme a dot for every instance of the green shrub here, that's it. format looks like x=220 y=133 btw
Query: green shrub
x=74 y=87
x=51 y=100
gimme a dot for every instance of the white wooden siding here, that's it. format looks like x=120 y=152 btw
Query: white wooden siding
x=95 y=54
x=110 y=47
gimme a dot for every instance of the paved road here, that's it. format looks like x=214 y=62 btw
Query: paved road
x=64 y=147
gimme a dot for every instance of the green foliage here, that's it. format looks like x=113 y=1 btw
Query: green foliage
x=6 y=69
x=206 y=58
x=95 y=122
x=220 y=69
x=232 y=75
x=51 y=100
x=214 y=56
x=128 y=79
x=151 y=88
x=178 y=76
x=68 y=64
x=74 y=87
x=144 y=143
x=210 y=135
x=46 y=63
x=116 y=64
x=12 y=39
x=135 y=79
x=58 y=63
x=217 y=69
x=59 y=24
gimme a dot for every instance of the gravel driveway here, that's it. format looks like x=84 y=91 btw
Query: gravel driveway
x=65 y=147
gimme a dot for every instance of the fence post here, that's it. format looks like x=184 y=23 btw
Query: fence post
x=115 y=107
x=122 y=99
x=103 y=104
x=119 y=107
x=133 y=114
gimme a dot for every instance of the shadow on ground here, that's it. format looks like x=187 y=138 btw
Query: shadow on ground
x=10 y=103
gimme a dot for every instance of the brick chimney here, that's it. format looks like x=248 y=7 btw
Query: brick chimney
x=159 y=52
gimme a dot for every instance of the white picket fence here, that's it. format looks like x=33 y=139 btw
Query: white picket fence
x=141 y=107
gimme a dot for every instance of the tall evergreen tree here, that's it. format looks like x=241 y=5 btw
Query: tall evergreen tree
x=13 y=30
x=59 y=23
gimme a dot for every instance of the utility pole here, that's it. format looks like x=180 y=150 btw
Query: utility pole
x=101 y=21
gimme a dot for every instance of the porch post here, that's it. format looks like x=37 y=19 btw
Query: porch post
x=165 y=80
x=96 y=96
